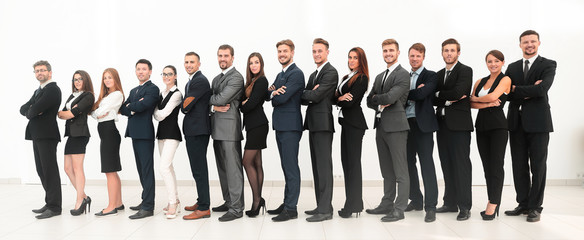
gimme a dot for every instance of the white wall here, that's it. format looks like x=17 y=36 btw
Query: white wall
x=94 y=35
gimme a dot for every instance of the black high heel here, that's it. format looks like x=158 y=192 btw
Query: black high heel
x=347 y=213
x=255 y=212
x=82 y=208
x=488 y=217
x=88 y=199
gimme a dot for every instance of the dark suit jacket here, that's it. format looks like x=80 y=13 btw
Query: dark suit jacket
x=459 y=83
x=424 y=98
x=352 y=112
x=41 y=111
x=492 y=117
x=319 y=116
x=140 y=124
x=286 y=115
x=394 y=91
x=197 y=121
x=77 y=126
x=536 y=114
x=253 y=110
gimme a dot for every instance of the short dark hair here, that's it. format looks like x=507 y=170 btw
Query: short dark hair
x=42 y=63
x=451 y=41
x=497 y=54
x=145 y=62
x=321 y=41
x=418 y=47
x=529 y=32
x=226 y=46
x=193 y=54
x=390 y=42
x=286 y=42
x=173 y=71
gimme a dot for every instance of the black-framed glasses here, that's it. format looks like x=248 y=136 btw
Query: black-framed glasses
x=167 y=74
x=40 y=71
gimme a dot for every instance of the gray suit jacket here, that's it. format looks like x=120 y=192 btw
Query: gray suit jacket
x=395 y=92
x=226 y=126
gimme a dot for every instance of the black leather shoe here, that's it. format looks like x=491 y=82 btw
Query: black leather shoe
x=464 y=214
x=379 y=210
x=412 y=207
x=445 y=209
x=311 y=212
x=517 y=211
x=277 y=210
x=142 y=214
x=47 y=214
x=319 y=217
x=533 y=216
x=229 y=216
x=136 y=208
x=430 y=216
x=122 y=207
x=40 y=210
x=222 y=208
x=285 y=215
x=393 y=216
x=112 y=212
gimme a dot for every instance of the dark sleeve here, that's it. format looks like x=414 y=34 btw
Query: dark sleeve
x=124 y=109
x=294 y=84
x=428 y=88
x=84 y=105
x=151 y=97
x=257 y=95
x=327 y=85
x=50 y=97
x=196 y=91
x=540 y=90
x=24 y=108
x=462 y=87
x=358 y=90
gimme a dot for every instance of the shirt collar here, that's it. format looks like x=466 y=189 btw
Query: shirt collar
x=321 y=66
x=286 y=68
x=453 y=65
x=192 y=75
x=45 y=83
x=419 y=71
x=227 y=70
x=145 y=82
x=393 y=67
x=531 y=60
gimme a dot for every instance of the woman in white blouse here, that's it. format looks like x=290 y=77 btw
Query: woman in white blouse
x=105 y=111
x=169 y=136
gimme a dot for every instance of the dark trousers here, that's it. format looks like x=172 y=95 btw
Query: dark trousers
x=454 y=151
x=144 y=154
x=288 y=145
x=529 y=151
x=321 y=145
x=197 y=151
x=351 y=148
x=492 y=146
x=422 y=144
x=45 y=159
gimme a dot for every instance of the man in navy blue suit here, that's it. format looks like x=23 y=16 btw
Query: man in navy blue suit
x=285 y=94
x=139 y=107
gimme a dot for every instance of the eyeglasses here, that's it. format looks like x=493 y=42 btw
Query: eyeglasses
x=40 y=71
x=77 y=79
x=167 y=74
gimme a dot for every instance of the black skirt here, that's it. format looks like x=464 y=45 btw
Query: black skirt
x=109 y=147
x=256 y=137
x=76 y=145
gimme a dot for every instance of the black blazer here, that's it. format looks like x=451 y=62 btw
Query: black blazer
x=319 y=116
x=253 y=110
x=492 y=117
x=286 y=115
x=140 y=124
x=197 y=121
x=352 y=111
x=168 y=128
x=424 y=98
x=77 y=126
x=533 y=99
x=459 y=83
x=41 y=111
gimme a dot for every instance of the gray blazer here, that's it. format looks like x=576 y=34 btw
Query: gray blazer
x=226 y=126
x=395 y=92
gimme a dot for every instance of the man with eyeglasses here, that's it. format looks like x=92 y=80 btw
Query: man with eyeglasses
x=41 y=111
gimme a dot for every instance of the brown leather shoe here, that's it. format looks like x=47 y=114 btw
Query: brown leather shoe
x=192 y=208
x=198 y=214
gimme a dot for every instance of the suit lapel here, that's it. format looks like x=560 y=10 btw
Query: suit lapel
x=530 y=71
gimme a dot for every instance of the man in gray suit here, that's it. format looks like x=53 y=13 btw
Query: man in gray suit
x=388 y=98
x=226 y=132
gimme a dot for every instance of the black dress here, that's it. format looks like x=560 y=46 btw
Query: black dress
x=76 y=128
x=254 y=118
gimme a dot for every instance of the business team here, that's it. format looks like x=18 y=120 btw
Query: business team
x=404 y=120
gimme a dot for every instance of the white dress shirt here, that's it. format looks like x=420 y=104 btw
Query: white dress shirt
x=109 y=105
x=175 y=100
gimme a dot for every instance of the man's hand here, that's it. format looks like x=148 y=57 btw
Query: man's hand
x=279 y=91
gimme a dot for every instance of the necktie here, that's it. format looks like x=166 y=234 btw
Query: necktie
x=525 y=69
x=447 y=75
x=314 y=79
x=187 y=87
x=221 y=75
x=36 y=92
x=384 y=77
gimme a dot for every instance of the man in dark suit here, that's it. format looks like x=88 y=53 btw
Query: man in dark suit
x=139 y=107
x=423 y=123
x=197 y=128
x=285 y=94
x=318 y=95
x=41 y=112
x=226 y=132
x=388 y=97
x=530 y=122
x=455 y=126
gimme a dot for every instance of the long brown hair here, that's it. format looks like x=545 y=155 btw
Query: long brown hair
x=250 y=77
x=104 y=90
x=87 y=85
x=363 y=68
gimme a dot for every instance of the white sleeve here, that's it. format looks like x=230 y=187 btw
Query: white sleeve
x=175 y=100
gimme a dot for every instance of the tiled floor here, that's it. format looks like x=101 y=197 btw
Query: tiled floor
x=563 y=218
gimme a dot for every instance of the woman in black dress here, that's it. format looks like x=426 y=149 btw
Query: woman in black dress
x=256 y=125
x=489 y=96
x=76 y=109
x=105 y=111
x=349 y=95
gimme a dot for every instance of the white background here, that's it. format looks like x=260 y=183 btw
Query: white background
x=94 y=35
